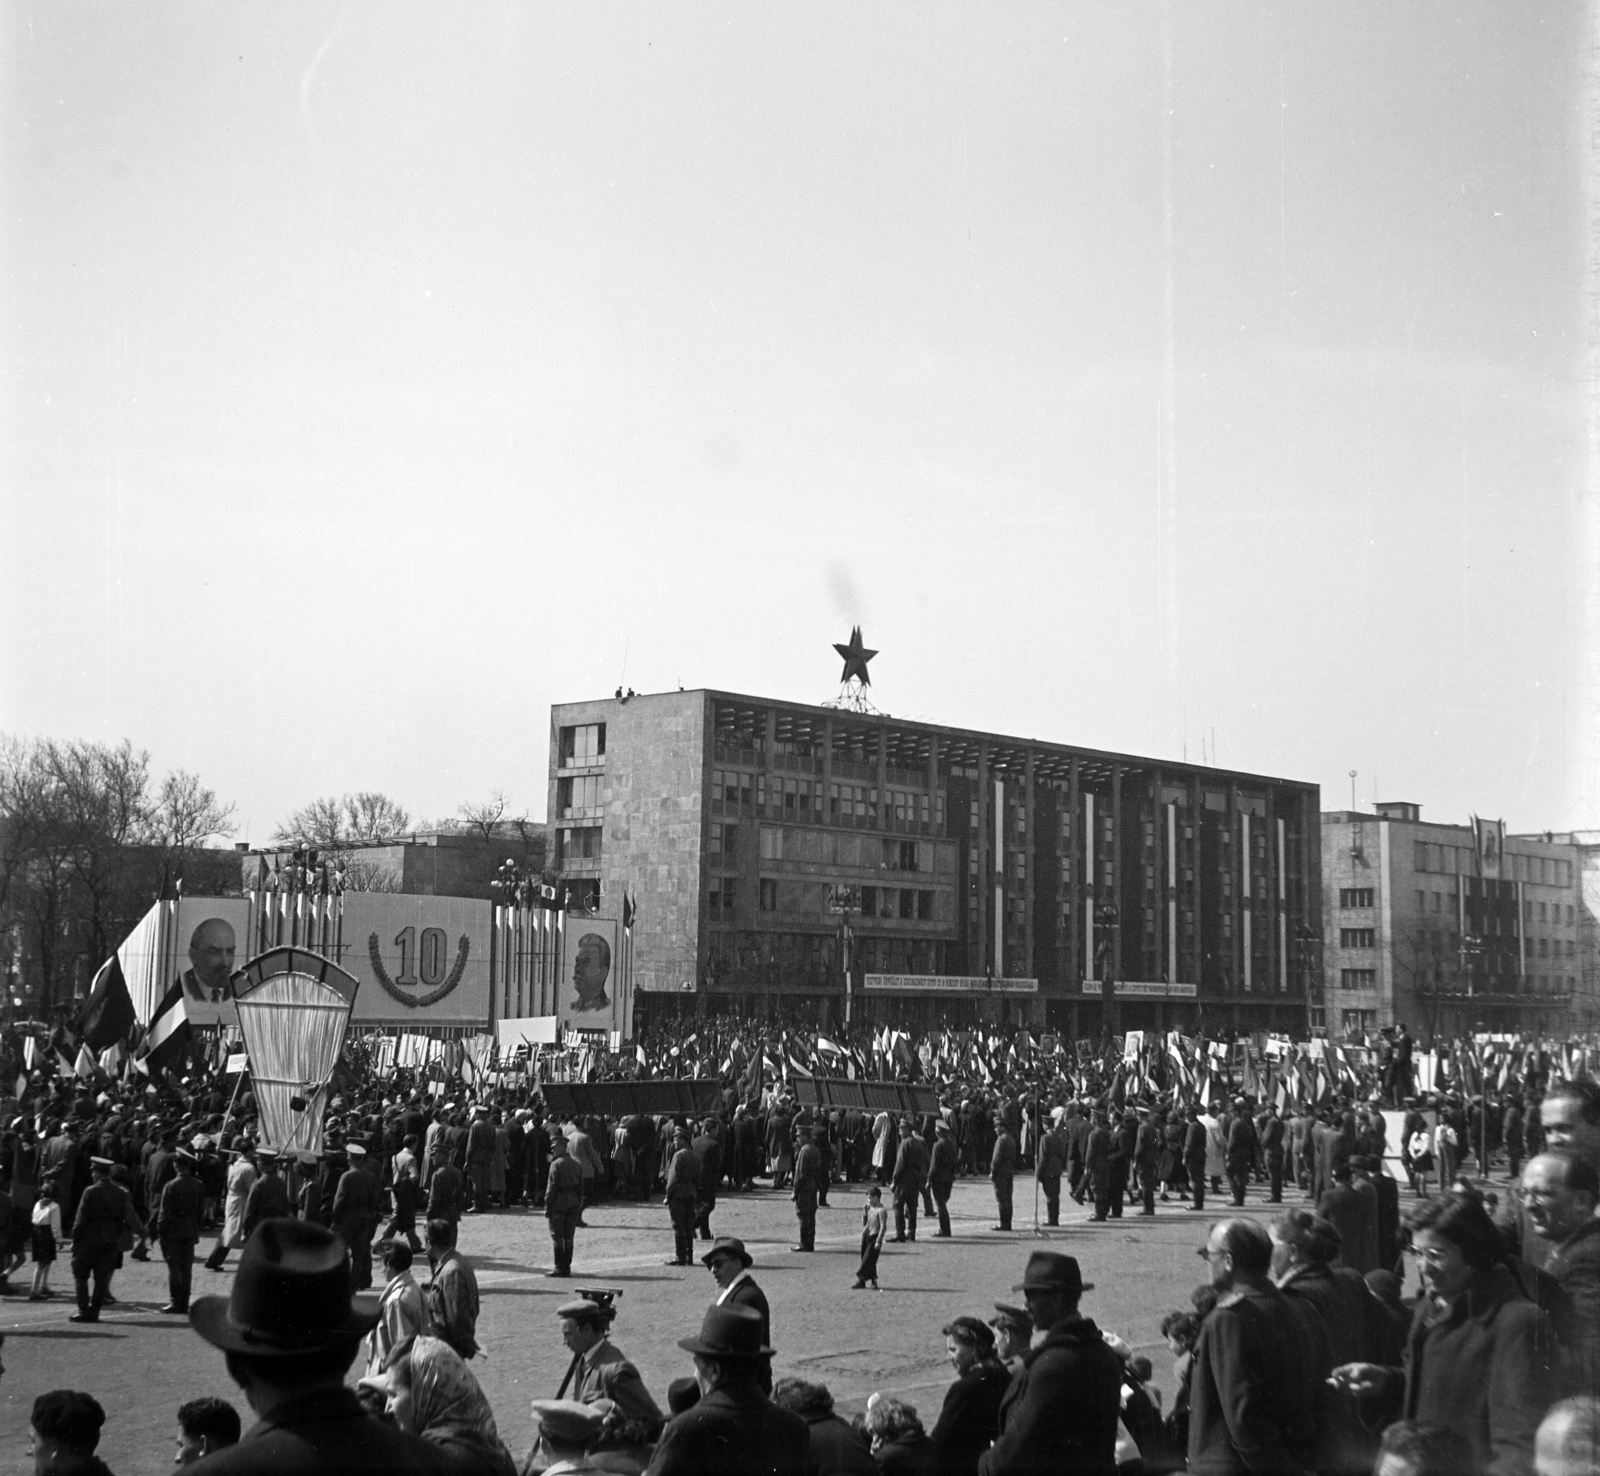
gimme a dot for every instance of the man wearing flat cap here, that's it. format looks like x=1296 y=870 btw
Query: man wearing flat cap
x=289 y=1332
x=104 y=1212
x=599 y=1375
x=734 y=1429
x=1060 y=1412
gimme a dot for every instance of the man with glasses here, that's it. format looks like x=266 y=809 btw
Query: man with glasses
x=1251 y=1402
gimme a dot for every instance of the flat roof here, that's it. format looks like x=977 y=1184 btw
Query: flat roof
x=960 y=745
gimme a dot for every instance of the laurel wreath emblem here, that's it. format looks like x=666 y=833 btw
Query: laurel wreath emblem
x=421 y=1001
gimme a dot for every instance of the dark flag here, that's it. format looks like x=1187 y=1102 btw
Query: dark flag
x=108 y=1012
x=170 y=1031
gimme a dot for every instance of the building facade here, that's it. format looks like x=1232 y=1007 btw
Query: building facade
x=867 y=867
x=1445 y=928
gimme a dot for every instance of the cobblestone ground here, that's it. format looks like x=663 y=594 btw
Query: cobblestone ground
x=141 y=1365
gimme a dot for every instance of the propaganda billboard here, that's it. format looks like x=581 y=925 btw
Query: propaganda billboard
x=420 y=960
x=592 y=987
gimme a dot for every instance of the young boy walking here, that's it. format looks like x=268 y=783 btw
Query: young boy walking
x=874 y=1226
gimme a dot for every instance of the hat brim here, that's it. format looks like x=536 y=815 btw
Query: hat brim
x=744 y=1258
x=1050 y=1286
x=209 y=1317
x=706 y=1350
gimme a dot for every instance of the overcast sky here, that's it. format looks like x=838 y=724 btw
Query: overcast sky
x=376 y=375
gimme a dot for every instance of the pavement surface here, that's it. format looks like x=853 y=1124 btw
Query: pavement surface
x=142 y=1365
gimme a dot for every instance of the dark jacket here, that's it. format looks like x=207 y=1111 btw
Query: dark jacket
x=1356 y=1220
x=734 y=1431
x=942 y=1164
x=970 y=1419
x=355 y=1205
x=104 y=1212
x=836 y=1449
x=746 y=1293
x=268 y=1200
x=324 y=1434
x=1059 y=1413
x=1250 y=1399
x=1194 y=1149
x=181 y=1203
x=1003 y=1161
x=1575 y=1267
x=909 y=1455
x=1486 y=1368
x=911 y=1165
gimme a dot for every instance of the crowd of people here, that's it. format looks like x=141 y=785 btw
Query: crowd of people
x=1297 y=1353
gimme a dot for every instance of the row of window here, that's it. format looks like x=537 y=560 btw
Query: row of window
x=803 y=798
x=909 y=904
x=1548 y=871
x=1355 y=896
x=1545 y=912
x=578 y=796
x=842 y=848
x=1358 y=978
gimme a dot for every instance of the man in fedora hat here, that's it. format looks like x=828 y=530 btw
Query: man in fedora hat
x=289 y=1332
x=1060 y=1412
x=729 y=1263
x=735 y=1429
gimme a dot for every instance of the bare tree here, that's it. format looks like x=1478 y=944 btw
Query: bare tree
x=369 y=876
x=370 y=816
x=320 y=823
x=485 y=818
x=186 y=813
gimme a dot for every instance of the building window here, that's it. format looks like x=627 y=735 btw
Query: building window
x=582 y=745
x=1358 y=978
x=578 y=796
x=1355 y=896
x=869 y=901
x=924 y=906
x=580 y=844
x=1360 y=1020
x=769 y=894
x=720 y=897
x=908 y=902
x=1358 y=938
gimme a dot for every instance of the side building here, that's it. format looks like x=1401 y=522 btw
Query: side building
x=1448 y=929
x=859 y=866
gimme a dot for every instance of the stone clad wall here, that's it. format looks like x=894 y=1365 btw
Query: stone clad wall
x=653 y=827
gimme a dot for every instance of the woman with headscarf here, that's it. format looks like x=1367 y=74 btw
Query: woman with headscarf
x=970 y=1419
x=1481 y=1357
x=429 y=1391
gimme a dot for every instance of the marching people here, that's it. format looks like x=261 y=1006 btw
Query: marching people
x=241 y=1179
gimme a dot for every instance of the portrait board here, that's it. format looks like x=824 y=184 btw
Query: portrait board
x=591 y=988
x=420 y=960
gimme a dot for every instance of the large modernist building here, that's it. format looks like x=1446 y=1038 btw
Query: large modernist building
x=876 y=868
x=1452 y=927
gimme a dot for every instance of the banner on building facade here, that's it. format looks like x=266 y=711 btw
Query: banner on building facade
x=1490 y=837
x=1142 y=989
x=947 y=984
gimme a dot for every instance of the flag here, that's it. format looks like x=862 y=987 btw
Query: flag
x=84 y=1066
x=111 y=1058
x=30 y=1053
x=170 y=1030
x=21 y=1087
x=629 y=911
x=108 y=1012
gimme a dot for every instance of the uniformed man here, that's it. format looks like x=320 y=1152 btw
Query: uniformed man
x=807 y=1186
x=103 y=1212
x=356 y=1213
x=269 y=1195
x=563 y=1202
x=1002 y=1168
x=942 y=1175
x=1051 y=1165
x=178 y=1230
x=1272 y=1145
x=682 y=1197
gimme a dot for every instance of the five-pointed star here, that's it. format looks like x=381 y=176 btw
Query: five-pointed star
x=856 y=656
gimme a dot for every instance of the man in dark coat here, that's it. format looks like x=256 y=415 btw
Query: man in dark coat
x=1077 y=1129
x=1147 y=1159
x=356 y=1213
x=708 y=1149
x=1060 y=1412
x=269 y=1197
x=1002 y=1169
x=682 y=1197
x=1097 y=1164
x=1560 y=1191
x=1242 y=1145
x=1272 y=1147
x=1387 y=1194
x=942 y=1164
x=1251 y=1401
x=178 y=1230
x=735 y=1428
x=911 y=1162
x=563 y=1202
x=807 y=1186
x=1194 y=1158
x=1355 y=1216
x=446 y=1191
x=835 y=1448
x=289 y=1332
x=480 y=1155
x=104 y=1212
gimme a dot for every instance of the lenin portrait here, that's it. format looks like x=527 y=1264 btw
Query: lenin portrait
x=211 y=951
x=590 y=970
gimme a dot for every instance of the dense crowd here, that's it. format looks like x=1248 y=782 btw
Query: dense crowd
x=1297 y=1353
